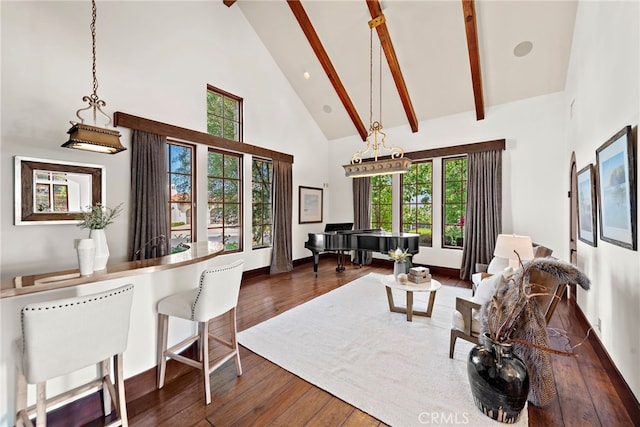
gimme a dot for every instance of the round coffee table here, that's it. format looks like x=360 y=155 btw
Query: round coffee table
x=409 y=287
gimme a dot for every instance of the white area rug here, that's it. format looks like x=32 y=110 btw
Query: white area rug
x=348 y=343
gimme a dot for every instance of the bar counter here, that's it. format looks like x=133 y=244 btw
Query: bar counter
x=153 y=280
x=23 y=285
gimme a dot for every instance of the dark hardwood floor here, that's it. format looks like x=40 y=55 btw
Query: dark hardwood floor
x=590 y=393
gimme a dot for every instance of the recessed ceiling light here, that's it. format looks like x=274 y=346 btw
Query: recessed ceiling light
x=327 y=109
x=522 y=48
x=306 y=75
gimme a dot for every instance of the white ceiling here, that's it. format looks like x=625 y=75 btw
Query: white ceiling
x=430 y=42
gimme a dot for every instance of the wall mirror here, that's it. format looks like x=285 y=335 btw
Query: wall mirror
x=55 y=191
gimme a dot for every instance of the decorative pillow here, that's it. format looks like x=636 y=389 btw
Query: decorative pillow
x=487 y=287
x=484 y=292
x=497 y=264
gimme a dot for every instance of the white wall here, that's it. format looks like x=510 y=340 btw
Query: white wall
x=534 y=193
x=603 y=86
x=154 y=59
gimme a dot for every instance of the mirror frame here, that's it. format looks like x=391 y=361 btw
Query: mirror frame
x=23 y=182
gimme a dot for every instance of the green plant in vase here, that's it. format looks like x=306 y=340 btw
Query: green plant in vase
x=96 y=218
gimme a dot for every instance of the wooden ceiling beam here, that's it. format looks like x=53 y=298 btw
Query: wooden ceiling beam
x=332 y=74
x=468 y=8
x=228 y=3
x=385 y=40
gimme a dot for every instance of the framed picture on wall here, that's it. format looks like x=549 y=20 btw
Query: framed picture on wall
x=310 y=205
x=617 y=190
x=587 y=205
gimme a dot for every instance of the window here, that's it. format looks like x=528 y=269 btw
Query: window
x=454 y=200
x=224 y=186
x=381 y=202
x=261 y=180
x=224 y=114
x=417 y=194
x=181 y=200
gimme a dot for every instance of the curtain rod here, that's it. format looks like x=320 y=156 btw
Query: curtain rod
x=159 y=128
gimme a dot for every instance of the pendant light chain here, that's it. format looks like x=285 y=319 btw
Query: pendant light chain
x=94 y=95
x=370 y=78
x=380 y=75
x=93 y=37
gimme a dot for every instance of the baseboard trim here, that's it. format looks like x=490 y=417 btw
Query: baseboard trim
x=629 y=400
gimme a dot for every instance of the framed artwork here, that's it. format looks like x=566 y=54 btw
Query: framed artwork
x=617 y=190
x=587 y=205
x=310 y=201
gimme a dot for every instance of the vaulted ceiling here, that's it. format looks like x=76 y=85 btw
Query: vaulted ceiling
x=432 y=44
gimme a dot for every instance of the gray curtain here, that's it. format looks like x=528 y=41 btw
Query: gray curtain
x=483 y=221
x=149 y=223
x=282 y=254
x=361 y=213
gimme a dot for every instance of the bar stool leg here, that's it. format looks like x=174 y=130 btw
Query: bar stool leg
x=41 y=404
x=234 y=338
x=163 y=323
x=204 y=343
x=119 y=380
x=106 y=392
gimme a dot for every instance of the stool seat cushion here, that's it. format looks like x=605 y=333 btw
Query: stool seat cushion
x=179 y=304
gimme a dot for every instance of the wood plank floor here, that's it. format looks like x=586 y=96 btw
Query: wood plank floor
x=589 y=394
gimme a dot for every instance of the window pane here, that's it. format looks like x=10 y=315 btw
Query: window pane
x=230 y=130
x=230 y=109
x=215 y=190
x=180 y=159
x=180 y=188
x=257 y=214
x=215 y=235
x=214 y=164
x=231 y=191
x=215 y=214
x=214 y=103
x=231 y=239
x=181 y=216
x=214 y=125
x=256 y=233
x=231 y=166
x=267 y=214
x=231 y=216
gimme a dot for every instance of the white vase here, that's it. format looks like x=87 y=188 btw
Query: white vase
x=102 y=250
x=398 y=268
x=86 y=256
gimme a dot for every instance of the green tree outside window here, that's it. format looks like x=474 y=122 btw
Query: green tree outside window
x=454 y=206
x=224 y=201
x=224 y=114
x=417 y=199
x=381 y=213
x=261 y=189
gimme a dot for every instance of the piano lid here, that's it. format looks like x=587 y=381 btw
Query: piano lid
x=338 y=226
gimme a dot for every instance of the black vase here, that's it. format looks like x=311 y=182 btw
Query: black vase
x=499 y=381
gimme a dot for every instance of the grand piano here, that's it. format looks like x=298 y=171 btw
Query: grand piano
x=339 y=237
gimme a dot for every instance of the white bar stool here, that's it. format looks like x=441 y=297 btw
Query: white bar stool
x=66 y=335
x=216 y=295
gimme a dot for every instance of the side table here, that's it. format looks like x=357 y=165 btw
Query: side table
x=390 y=283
